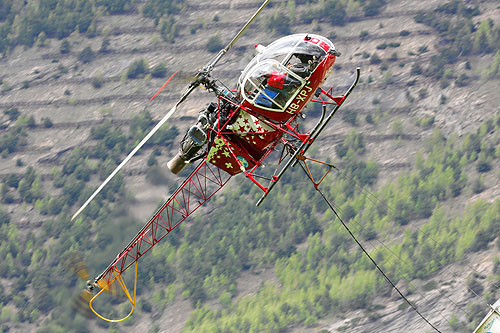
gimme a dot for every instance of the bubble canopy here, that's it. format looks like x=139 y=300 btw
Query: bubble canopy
x=274 y=77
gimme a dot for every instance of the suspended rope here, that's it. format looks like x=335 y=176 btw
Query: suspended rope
x=403 y=275
x=376 y=201
x=366 y=252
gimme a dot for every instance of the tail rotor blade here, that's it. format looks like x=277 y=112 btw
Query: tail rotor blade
x=170 y=78
x=80 y=303
x=74 y=262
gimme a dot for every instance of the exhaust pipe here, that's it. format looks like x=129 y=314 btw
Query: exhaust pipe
x=176 y=164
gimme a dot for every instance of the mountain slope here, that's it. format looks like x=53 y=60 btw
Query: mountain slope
x=420 y=132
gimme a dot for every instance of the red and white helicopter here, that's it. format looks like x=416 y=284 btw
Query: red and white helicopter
x=235 y=135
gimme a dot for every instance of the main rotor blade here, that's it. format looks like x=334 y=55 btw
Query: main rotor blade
x=132 y=153
x=199 y=79
x=210 y=66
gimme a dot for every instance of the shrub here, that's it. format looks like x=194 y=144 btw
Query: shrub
x=442 y=99
x=4 y=217
x=422 y=49
x=474 y=286
x=415 y=69
x=30 y=122
x=375 y=59
x=426 y=122
x=363 y=34
x=97 y=81
x=12 y=113
x=137 y=68
x=462 y=81
x=104 y=45
x=214 y=44
x=373 y=7
x=65 y=47
x=159 y=70
x=86 y=55
x=483 y=165
x=277 y=22
x=152 y=160
x=477 y=186
x=369 y=119
x=350 y=117
x=168 y=28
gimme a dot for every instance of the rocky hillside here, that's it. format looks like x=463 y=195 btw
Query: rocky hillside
x=420 y=134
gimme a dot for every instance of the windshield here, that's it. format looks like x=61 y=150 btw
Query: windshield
x=273 y=78
x=269 y=85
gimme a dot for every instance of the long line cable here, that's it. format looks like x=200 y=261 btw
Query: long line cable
x=405 y=275
x=375 y=200
x=370 y=257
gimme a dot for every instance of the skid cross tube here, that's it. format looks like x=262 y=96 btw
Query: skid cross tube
x=307 y=143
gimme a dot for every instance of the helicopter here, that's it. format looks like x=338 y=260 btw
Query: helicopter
x=234 y=135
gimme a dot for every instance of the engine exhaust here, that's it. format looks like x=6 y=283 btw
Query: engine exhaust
x=176 y=164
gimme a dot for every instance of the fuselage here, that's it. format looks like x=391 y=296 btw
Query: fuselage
x=305 y=58
x=273 y=88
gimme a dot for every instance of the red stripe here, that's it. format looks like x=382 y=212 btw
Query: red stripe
x=163 y=86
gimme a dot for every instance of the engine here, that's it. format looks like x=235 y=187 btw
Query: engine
x=194 y=140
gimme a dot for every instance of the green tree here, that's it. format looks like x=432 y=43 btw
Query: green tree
x=160 y=70
x=214 y=44
x=4 y=217
x=12 y=113
x=65 y=47
x=86 y=55
x=482 y=39
x=137 y=68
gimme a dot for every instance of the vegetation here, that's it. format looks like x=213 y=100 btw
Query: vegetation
x=214 y=44
x=459 y=36
x=137 y=68
x=86 y=55
x=206 y=255
x=314 y=282
x=319 y=271
x=160 y=70
x=27 y=23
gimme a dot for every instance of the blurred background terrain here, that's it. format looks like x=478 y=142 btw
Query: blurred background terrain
x=417 y=144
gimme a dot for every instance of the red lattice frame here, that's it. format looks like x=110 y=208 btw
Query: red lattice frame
x=201 y=185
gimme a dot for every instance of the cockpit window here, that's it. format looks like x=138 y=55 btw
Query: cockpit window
x=284 y=48
x=271 y=86
x=273 y=78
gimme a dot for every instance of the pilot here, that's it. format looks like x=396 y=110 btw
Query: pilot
x=277 y=87
x=303 y=64
x=281 y=81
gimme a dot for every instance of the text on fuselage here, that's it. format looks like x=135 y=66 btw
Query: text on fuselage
x=301 y=97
